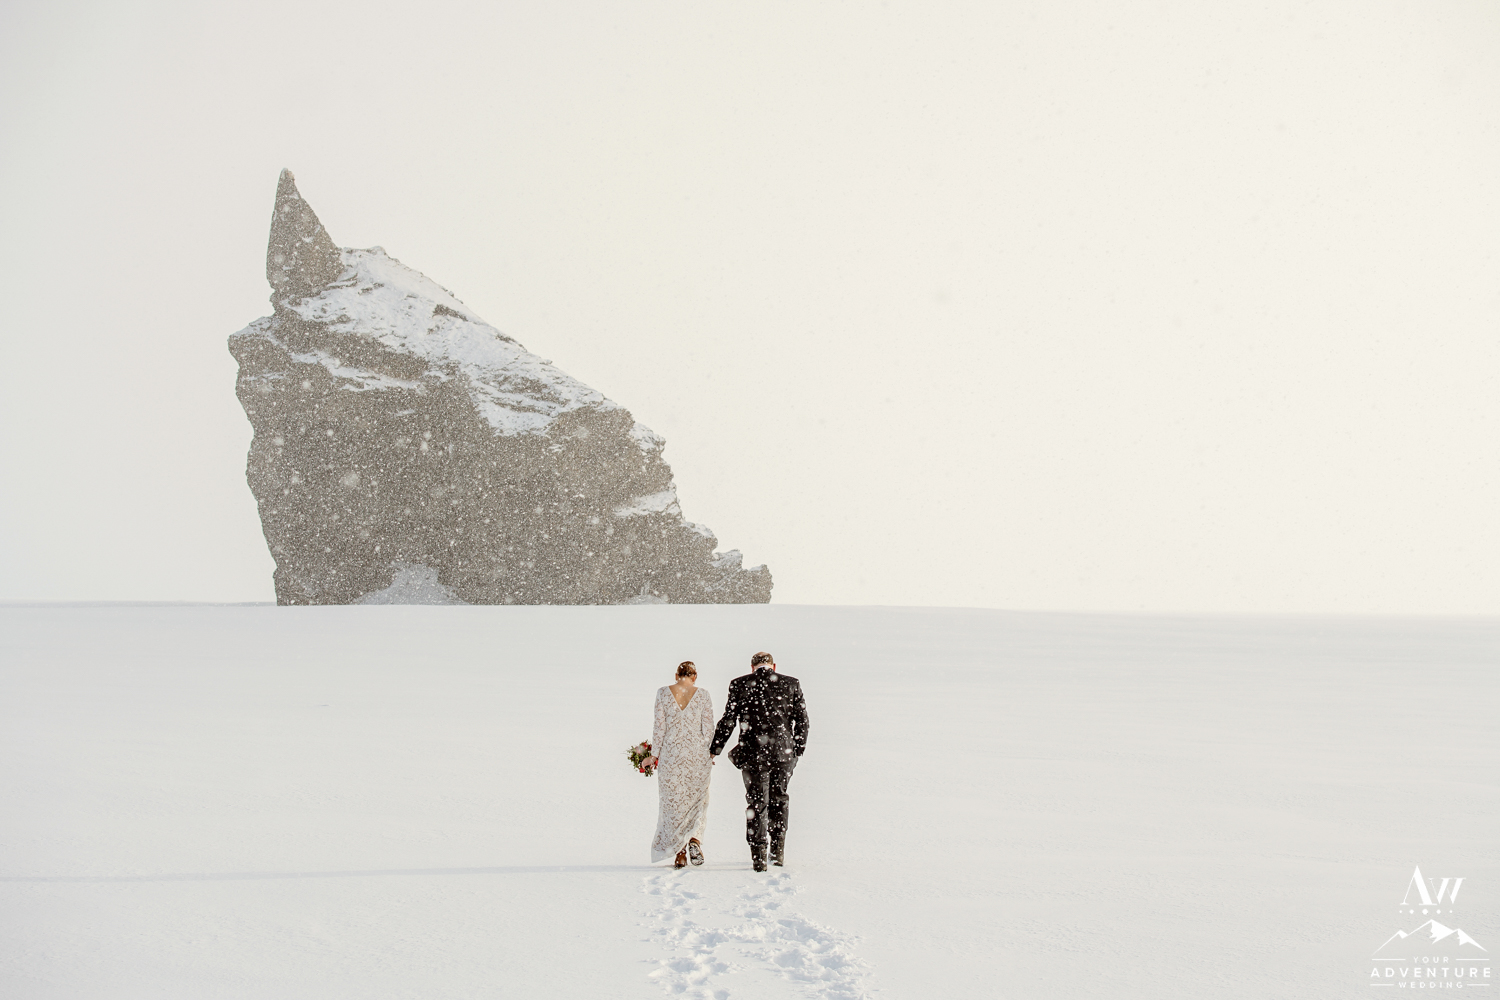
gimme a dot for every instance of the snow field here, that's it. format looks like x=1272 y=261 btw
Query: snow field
x=433 y=802
x=762 y=932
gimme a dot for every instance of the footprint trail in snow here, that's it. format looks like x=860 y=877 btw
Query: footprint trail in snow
x=712 y=928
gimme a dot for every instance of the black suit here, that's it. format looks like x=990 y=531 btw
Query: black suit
x=772 y=716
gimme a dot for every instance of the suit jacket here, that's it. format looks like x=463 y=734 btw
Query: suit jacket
x=772 y=716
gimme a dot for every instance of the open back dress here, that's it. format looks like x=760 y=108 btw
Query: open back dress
x=679 y=739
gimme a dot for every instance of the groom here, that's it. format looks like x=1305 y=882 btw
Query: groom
x=772 y=717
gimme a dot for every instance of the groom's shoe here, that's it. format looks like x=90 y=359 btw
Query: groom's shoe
x=695 y=851
x=758 y=857
x=778 y=853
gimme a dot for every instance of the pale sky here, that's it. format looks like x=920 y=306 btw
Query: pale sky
x=1170 y=306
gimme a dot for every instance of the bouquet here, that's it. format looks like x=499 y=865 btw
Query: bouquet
x=639 y=754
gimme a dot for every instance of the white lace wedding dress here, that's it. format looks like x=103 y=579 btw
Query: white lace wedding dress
x=680 y=738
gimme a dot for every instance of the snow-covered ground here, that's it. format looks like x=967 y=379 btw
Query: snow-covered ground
x=433 y=802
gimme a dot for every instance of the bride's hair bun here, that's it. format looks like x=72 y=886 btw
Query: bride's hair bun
x=686 y=669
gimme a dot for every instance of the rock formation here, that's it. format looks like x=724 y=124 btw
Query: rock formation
x=406 y=451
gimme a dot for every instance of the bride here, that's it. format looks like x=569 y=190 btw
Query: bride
x=683 y=726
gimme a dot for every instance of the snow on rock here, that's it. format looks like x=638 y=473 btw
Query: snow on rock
x=413 y=585
x=406 y=451
x=664 y=502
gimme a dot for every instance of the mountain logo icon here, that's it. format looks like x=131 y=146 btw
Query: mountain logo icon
x=1426 y=935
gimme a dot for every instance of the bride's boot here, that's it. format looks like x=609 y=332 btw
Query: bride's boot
x=681 y=861
x=695 y=851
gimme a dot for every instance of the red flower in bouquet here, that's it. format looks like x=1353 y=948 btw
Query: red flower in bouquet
x=639 y=755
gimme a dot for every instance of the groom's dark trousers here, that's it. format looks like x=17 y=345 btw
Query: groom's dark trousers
x=766 y=802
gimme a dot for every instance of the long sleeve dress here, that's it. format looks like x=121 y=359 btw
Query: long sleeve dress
x=679 y=739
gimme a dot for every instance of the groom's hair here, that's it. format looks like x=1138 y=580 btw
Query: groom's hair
x=760 y=658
